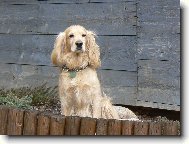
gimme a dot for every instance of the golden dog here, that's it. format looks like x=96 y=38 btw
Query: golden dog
x=77 y=54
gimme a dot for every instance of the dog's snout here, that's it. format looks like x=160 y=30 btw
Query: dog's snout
x=79 y=44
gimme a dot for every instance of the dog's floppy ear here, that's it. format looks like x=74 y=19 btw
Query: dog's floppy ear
x=59 y=47
x=93 y=50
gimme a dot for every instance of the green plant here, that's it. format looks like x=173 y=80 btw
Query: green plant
x=28 y=97
x=10 y=100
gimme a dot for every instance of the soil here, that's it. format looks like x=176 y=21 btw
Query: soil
x=141 y=112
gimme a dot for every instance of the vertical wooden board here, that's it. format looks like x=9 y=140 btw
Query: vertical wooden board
x=102 y=127
x=127 y=127
x=155 y=128
x=114 y=127
x=72 y=125
x=57 y=125
x=141 y=128
x=170 y=128
x=88 y=126
x=3 y=119
x=15 y=121
x=30 y=123
x=43 y=124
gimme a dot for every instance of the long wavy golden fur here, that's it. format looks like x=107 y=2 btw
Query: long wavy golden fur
x=80 y=95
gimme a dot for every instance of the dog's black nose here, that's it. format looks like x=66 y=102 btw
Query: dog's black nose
x=79 y=44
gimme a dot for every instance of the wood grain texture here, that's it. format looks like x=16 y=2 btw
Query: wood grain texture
x=155 y=46
x=88 y=126
x=104 y=1
x=141 y=128
x=114 y=127
x=121 y=95
x=112 y=78
x=36 y=50
x=51 y=18
x=15 y=121
x=57 y=125
x=30 y=123
x=72 y=125
x=127 y=127
x=24 y=2
x=159 y=81
x=101 y=127
x=170 y=128
x=155 y=128
x=3 y=119
x=43 y=124
x=129 y=32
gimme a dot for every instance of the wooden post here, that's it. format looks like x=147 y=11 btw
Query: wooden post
x=170 y=128
x=3 y=119
x=30 y=123
x=15 y=121
x=57 y=124
x=102 y=127
x=114 y=127
x=141 y=128
x=88 y=126
x=127 y=127
x=155 y=128
x=72 y=125
x=43 y=124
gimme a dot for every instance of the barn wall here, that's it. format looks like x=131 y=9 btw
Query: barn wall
x=139 y=41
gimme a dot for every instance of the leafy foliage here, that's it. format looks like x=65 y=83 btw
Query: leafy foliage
x=28 y=97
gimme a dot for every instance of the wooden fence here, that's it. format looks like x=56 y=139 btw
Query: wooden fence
x=15 y=121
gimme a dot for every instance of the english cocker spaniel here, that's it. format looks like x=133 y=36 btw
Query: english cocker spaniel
x=77 y=54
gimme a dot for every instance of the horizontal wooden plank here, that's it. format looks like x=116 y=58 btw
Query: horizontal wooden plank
x=14 y=75
x=118 y=53
x=169 y=97
x=36 y=50
x=121 y=95
x=169 y=3
x=162 y=72
x=159 y=47
x=157 y=105
x=159 y=13
x=30 y=43
x=105 y=1
x=115 y=18
x=111 y=78
x=16 y=2
x=163 y=27
x=159 y=82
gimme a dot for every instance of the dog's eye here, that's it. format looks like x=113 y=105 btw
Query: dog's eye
x=83 y=35
x=71 y=36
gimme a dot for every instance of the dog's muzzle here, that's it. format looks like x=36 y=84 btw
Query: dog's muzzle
x=79 y=45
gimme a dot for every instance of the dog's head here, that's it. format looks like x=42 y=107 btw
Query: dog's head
x=76 y=37
x=76 y=40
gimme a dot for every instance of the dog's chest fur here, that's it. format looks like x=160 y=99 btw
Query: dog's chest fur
x=86 y=77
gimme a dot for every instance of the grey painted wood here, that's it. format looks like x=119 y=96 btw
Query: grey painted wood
x=113 y=78
x=157 y=105
x=139 y=43
x=159 y=82
x=149 y=3
x=117 y=53
x=158 y=54
x=104 y=1
x=107 y=19
x=16 y=2
x=121 y=95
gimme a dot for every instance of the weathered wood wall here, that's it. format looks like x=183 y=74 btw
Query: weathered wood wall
x=139 y=41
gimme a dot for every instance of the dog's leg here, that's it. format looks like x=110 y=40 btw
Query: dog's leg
x=107 y=109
